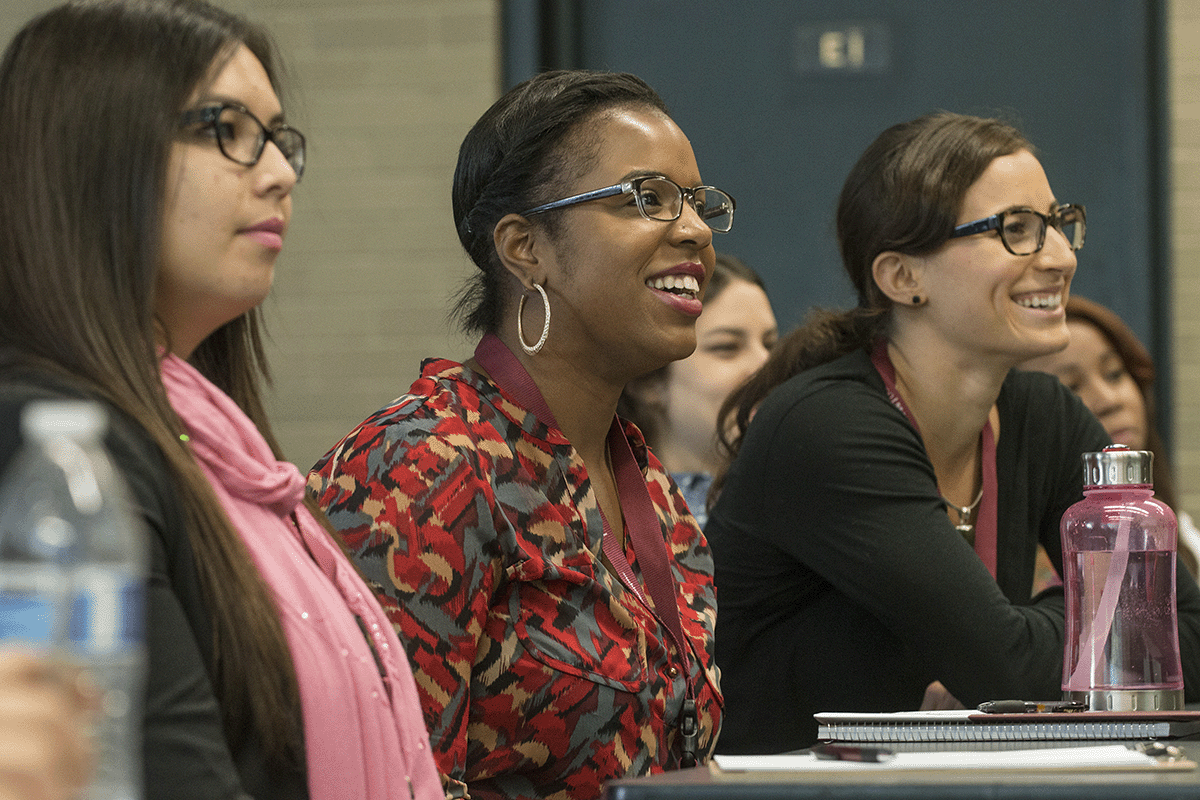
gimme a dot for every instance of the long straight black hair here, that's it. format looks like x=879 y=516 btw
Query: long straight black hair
x=90 y=97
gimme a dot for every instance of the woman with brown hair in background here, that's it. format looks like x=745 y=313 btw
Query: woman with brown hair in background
x=1113 y=374
x=146 y=180
x=677 y=406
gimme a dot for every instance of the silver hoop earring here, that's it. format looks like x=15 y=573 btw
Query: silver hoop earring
x=533 y=350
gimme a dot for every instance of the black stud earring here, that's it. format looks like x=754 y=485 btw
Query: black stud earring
x=916 y=299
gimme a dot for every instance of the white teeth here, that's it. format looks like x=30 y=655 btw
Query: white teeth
x=681 y=284
x=1042 y=301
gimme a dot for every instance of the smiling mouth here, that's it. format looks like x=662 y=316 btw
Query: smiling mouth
x=684 y=285
x=1046 y=301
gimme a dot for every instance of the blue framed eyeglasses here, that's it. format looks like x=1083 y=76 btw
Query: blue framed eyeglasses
x=1023 y=230
x=662 y=199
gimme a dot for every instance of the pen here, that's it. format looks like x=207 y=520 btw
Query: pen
x=845 y=752
x=1030 y=707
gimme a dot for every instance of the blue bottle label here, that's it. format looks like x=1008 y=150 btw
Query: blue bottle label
x=107 y=611
x=26 y=618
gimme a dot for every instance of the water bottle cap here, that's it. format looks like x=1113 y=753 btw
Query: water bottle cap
x=1117 y=465
x=82 y=420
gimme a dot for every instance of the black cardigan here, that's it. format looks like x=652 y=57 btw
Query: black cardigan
x=843 y=586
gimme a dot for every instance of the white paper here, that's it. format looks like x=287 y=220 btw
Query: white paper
x=1115 y=755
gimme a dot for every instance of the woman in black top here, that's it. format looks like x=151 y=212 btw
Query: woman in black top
x=876 y=533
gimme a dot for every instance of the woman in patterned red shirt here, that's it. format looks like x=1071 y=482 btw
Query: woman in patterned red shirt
x=553 y=591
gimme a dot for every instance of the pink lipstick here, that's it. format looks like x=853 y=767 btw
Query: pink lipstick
x=268 y=233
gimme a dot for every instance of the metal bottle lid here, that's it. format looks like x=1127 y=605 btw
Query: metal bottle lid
x=1117 y=465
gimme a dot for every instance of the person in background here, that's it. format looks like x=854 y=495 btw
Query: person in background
x=676 y=406
x=146 y=179
x=1112 y=372
x=553 y=590
x=45 y=752
x=876 y=533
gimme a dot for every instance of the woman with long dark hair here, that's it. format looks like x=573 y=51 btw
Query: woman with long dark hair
x=1113 y=374
x=146 y=178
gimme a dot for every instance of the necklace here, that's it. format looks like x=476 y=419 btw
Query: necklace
x=985 y=547
x=965 y=525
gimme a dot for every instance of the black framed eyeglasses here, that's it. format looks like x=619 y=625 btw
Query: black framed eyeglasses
x=1023 y=230
x=660 y=199
x=242 y=138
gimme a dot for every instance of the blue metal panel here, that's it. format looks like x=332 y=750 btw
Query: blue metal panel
x=780 y=97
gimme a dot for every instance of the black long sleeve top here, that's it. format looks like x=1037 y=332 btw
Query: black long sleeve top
x=842 y=584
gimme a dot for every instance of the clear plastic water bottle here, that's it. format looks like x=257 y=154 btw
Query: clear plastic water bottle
x=72 y=573
x=1122 y=636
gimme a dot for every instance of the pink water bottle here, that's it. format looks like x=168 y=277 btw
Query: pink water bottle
x=1121 y=648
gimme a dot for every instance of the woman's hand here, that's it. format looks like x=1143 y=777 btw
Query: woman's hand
x=938 y=698
x=45 y=720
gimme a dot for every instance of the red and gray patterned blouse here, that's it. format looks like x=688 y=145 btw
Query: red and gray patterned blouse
x=540 y=674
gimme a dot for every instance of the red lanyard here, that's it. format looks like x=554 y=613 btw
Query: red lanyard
x=986 y=525
x=645 y=532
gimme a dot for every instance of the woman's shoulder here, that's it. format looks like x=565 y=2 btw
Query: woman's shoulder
x=831 y=413
x=448 y=412
x=444 y=390
x=133 y=452
x=846 y=385
x=1026 y=383
x=126 y=441
x=1038 y=396
x=1041 y=410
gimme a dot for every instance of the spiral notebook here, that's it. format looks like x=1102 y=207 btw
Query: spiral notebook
x=971 y=726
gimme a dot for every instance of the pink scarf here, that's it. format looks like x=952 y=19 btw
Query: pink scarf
x=362 y=743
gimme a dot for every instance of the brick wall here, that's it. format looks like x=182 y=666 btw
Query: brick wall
x=384 y=90
x=1184 y=97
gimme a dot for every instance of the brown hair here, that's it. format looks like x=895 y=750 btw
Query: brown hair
x=903 y=194
x=1137 y=361
x=90 y=97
